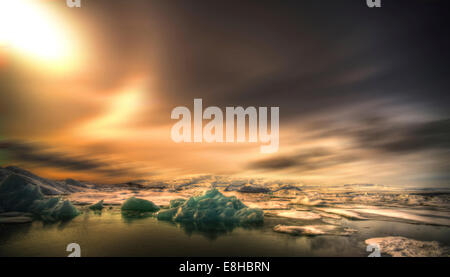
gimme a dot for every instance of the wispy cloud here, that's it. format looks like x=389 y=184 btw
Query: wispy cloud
x=39 y=155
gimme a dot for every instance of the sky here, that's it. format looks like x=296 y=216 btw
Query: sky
x=87 y=92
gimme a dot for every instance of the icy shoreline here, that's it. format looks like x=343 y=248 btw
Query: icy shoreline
x=291 y=210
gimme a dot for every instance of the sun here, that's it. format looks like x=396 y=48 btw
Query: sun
x=32 y=31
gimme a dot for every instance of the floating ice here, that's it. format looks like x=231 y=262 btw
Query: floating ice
x=307 y=202
x=299 y=215
x=97 y=206
x=329 y=215
x=212 y=207
x=15 y=217
x=15 y=214
x=405 y=247
x=253 y=189
x=54 y=209
x=420 y=216
x=314 y=230
x=174 y=203
x=344 y=213
x=64 y=210
x=18 y=194
x=15 y=220
x=247 y=215
x=263 y=204
x=139 y=205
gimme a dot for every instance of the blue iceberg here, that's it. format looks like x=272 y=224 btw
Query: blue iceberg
x=139 y=205
x=212 y=207
x=19 y=195
x=97 y=206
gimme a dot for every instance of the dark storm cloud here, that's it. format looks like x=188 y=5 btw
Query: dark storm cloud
x=373 y=134
x=383 y=136
x=316 y=60
x=312 y=159
x=38 y=155
x=305 y=56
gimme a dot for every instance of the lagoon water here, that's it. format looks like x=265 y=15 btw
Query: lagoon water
x=111 y=234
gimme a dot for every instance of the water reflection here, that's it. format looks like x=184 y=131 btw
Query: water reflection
x=131 y=216
x=136 y=234
x=10 y=231
x=213 y=230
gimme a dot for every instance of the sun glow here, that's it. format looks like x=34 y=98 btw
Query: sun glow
x=120 y=110
x=33 y=32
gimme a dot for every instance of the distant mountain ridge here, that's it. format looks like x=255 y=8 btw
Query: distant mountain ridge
x=48 y=187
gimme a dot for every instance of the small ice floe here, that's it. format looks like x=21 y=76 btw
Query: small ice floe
x=405 y=247
x=299 y=215
x=287 y=190
x=15 y=219
x=314 y=230
x=97 y=206
x=15 y=214
x=268 y=205
x=253 y=189
x=140 y=205
x=307 y=202
x=419 y=216
x=329 y=215
x=331 y=221
x=344 y=213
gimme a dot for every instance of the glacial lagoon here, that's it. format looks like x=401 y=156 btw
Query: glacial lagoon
x=110 y=233
x=206 y=218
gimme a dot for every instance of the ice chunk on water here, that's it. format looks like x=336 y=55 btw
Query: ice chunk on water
x=54 y=209
x=17 y=194
x=212 y=207
x=97 y=206
x=299 y=215
x=343 y=212
x=247 y=215
x=15 y=220
x=174 y=203
x=405 y=247
x=421 y=216
x=65 y=211
x=167 y=214
x=314 y=230
x=139 y=205
x=307 y=202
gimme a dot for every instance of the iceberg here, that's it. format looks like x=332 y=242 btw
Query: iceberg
x=313 y=230
x=54 y=209
x=212 y=207
x=139 y=205
x=304 y=215
x=406 y=247
x=17 y=194
x=97 y=206
x=174 y=203
x=15 y=220
x=64 y=210
x=253 y=189
x=344 y=213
